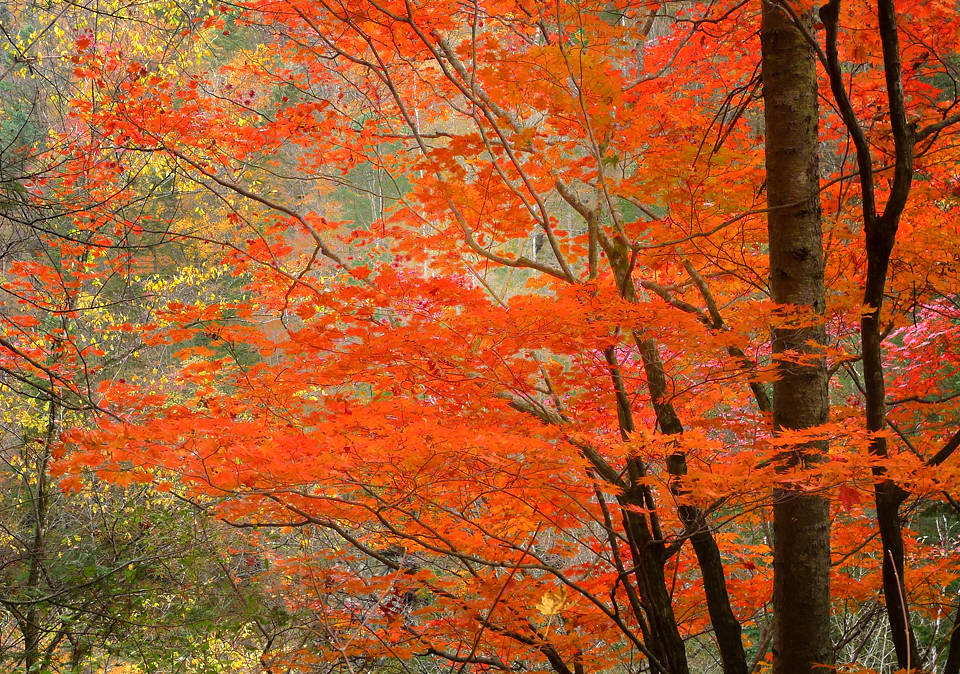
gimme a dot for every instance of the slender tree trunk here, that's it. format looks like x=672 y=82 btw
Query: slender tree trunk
x=726 y=628
x=881 y=234
x=952 y=666
x=647 y=549
x=887 y=495
x=31 y=625
x=880 y=229
x=801 y=586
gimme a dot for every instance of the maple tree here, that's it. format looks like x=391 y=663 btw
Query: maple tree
x=502 y=406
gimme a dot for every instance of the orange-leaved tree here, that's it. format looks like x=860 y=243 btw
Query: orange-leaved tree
x=522 y=405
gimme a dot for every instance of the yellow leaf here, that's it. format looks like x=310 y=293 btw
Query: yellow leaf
x=553 y=602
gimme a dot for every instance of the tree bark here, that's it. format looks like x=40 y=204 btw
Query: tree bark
x=952 y=666
x=726 y=628
x=642 y=532
x=881 y=233
x=801 y=592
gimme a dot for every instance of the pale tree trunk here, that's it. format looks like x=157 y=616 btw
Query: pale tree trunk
x=801 y=588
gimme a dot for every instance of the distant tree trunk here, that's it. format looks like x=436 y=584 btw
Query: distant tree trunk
x=801 y=589
x=30 y=621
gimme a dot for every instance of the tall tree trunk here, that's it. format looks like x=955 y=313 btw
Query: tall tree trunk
x=801 y=586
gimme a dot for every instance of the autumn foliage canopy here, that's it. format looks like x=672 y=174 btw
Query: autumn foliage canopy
x=476 y=297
